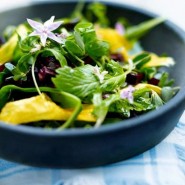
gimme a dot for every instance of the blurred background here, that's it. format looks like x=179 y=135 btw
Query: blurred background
x=172 y=9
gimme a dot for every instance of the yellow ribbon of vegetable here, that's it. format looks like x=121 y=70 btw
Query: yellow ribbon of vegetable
x=155 y=88
x=157 y=61
x=118 y=43
x=40 y=108
x=7 y=49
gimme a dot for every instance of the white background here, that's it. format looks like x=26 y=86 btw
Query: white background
x=172 y=9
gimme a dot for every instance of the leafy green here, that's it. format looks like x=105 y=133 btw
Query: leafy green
x=22 y=68
x=149 y=72
x=25 y=62
x=136 y=32
x=114 y=68
x=73 y=48
x=102 y=106
x=17 y=74
x=167 y=93
x=141 y=59
x=79 y=81
x=79 y=40
x=77 y=13
x=121 y=107
x=97 y=48
x=113 y=82
x=82 y=27
x=98 y=11
x=57 y=53
x=86 y=38
x=164 y=80
x=142 y=102
x=156 y=100
x=5 y=92
x=67 y=100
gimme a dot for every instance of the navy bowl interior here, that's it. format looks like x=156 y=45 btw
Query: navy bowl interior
x=76 y=148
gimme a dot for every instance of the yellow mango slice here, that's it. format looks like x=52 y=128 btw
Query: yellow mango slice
x=40 y=108
x=117 y=42
x=7 y=49
x=149 y=86
x=159 y=61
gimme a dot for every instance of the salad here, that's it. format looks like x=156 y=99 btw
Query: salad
x=80 y=71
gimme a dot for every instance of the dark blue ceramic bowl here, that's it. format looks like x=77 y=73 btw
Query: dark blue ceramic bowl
x=79 y=148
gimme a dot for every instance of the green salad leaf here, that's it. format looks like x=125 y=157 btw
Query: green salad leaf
x=102 y=106
x=136 y=32
x=79 y=81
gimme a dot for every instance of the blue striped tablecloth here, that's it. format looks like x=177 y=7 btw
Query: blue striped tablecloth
x=162 y=165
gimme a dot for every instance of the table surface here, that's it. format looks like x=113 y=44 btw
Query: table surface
x=162 y=165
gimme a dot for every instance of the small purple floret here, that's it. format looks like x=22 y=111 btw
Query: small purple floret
x=127 y=93
x=120 y=29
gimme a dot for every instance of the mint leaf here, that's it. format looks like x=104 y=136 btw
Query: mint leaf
x=79 y=81
x=115 y=77
x=113 y=82
x=94 y=47
x=114 y=68
x=57 y=53
x=97 y=48
x=73 y=48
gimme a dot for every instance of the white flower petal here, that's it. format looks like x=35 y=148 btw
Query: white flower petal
x=49 y=22
x=34 y=33
x=43 y=38
x=54 y=26
x=34 y=24
x=54 y=37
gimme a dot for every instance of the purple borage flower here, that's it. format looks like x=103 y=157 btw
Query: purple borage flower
x=44 y=30
x=127 y=93
x=120 y=29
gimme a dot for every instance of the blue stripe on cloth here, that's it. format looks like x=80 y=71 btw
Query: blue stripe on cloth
x=180 y=152
x=181 y=155
x=153 y=156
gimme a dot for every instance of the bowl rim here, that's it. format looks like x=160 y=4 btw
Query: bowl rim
x=130 y=123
